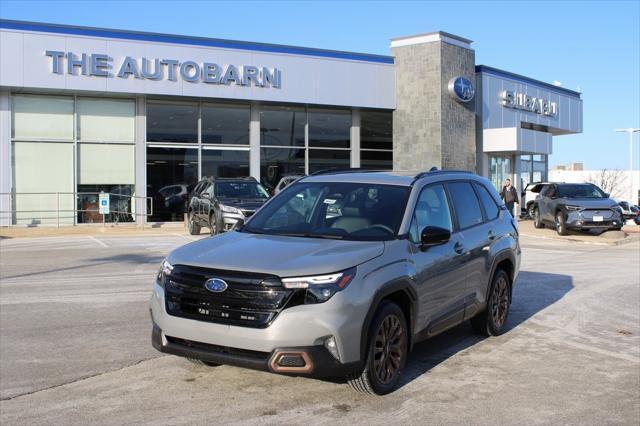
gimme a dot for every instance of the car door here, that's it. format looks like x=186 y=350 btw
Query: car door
x=473 y=232
x=439 y=279
x=545 y=203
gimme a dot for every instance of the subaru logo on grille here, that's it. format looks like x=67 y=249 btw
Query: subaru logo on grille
x=215 y=285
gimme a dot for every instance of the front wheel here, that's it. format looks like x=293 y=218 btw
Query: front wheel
x=491 y=321
x=213 y=226
x=386 y=353
x=561 y=227
x=537 y=220
x=194 y=229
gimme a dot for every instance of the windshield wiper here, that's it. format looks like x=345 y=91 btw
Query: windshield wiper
x=307 y=235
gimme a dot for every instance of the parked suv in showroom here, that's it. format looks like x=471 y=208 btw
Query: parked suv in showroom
x=298 y=290
x=576 y=206
x=220 y=203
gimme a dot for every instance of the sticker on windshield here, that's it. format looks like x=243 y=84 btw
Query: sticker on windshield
x=329 y=201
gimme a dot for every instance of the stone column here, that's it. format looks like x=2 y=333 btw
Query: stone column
x=430 y=126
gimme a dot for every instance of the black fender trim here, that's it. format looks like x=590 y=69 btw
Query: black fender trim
x=399 y=285
x=503 y=255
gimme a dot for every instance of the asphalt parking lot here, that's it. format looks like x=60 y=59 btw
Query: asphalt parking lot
x=75 y=348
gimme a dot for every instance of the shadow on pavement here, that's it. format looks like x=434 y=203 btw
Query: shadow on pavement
x=132 y=259
x=534 y=292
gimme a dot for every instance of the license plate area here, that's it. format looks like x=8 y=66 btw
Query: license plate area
x=598 y=218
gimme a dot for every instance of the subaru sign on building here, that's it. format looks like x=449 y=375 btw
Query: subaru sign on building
x=144 y=116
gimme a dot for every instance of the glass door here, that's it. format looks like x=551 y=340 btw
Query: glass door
x=499 y=170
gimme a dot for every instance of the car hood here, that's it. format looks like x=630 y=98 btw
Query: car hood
x=272 y=254
x=587 y=203
x=250 y=204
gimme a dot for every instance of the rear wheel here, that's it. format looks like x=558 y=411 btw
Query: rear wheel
x=213 y=226
x=386 y=353
x=537 y=221
x=561 y=227
x=491 y=321
x=194 y=229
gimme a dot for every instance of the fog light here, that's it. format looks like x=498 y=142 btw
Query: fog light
x=332 y=347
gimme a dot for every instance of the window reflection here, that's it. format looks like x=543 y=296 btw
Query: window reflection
x=282 y=126
x=167 y=122
x=225 y=124
x=322 y=159
x=329 y=128
x=225 y=163
x=278 y=162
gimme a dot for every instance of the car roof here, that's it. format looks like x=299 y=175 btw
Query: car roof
x=398 y=178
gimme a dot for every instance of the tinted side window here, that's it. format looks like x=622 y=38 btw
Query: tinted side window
x=432 y=209
x=465 y=204
x=490 y=207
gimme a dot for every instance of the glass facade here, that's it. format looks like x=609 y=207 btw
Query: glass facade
x=533 y=168
x=87 y=145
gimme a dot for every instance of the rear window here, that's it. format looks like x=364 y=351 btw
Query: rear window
x=490 y=207
x=465 y=204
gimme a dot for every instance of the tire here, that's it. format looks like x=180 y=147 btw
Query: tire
x=537 y=221
x=561 y=227
x=382 y=352
x=194 y=228
x=213 y=226
x=491 y=321
x=530 y=210
x=201 y=362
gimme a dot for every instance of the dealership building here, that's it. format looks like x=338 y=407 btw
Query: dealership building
x=144 y=116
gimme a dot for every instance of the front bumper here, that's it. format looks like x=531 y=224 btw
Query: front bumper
x=315 y=361
x=298 y=326
x=577 y=220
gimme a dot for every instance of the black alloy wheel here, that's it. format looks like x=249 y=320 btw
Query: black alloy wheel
x=561 y=227
x=492 y=320
x=194 y=229
x=213 y=226
x=386 y=353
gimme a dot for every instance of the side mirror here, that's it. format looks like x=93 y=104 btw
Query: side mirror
x=607 y=195
x=239 y=224
x=433 y=236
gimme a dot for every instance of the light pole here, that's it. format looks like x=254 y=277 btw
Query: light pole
x=630 y=131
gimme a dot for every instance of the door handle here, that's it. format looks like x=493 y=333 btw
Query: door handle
x=491 y=236
x=458 y=248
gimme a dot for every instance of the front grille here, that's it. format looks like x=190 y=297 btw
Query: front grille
x=250 y=300
x=588 y=214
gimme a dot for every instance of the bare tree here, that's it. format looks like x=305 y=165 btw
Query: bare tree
x=611 y=181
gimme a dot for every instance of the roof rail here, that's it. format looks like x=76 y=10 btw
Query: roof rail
x=435 y=171
x=349 y=170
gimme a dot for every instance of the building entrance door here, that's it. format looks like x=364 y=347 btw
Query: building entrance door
x=499 y=170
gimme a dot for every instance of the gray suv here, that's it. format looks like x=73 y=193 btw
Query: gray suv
x=576 y=206
x=340 y=275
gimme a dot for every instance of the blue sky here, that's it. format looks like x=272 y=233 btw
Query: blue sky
x=591 y=45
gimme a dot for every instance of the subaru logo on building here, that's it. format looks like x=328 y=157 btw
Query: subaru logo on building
x=215 y=285
x=461 y=89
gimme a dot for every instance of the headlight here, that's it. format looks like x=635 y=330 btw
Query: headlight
x=573 y=207
x=321 y=288
x=165 y=270
x=229 y=209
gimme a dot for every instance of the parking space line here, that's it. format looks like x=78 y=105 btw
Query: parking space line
x=101 y=243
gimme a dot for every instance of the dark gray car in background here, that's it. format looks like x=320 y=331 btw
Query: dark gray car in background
x=340 y=275
x=576 y=206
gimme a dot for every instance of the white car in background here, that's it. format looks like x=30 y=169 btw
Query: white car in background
x=528 y=196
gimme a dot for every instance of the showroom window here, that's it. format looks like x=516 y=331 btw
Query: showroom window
x=172 y=122
x=171 y=174
x=225 y=163
x=225 y=124
x=329 y=128
x=59 y=169
x=282 y=126
x=376 y=140
x=278 y=162
x=322 y=159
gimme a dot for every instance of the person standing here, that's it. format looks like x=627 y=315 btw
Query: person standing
x=509 y=195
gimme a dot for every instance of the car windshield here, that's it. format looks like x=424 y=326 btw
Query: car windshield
x=580 y=191
x=350 y=211
x=240 y=190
